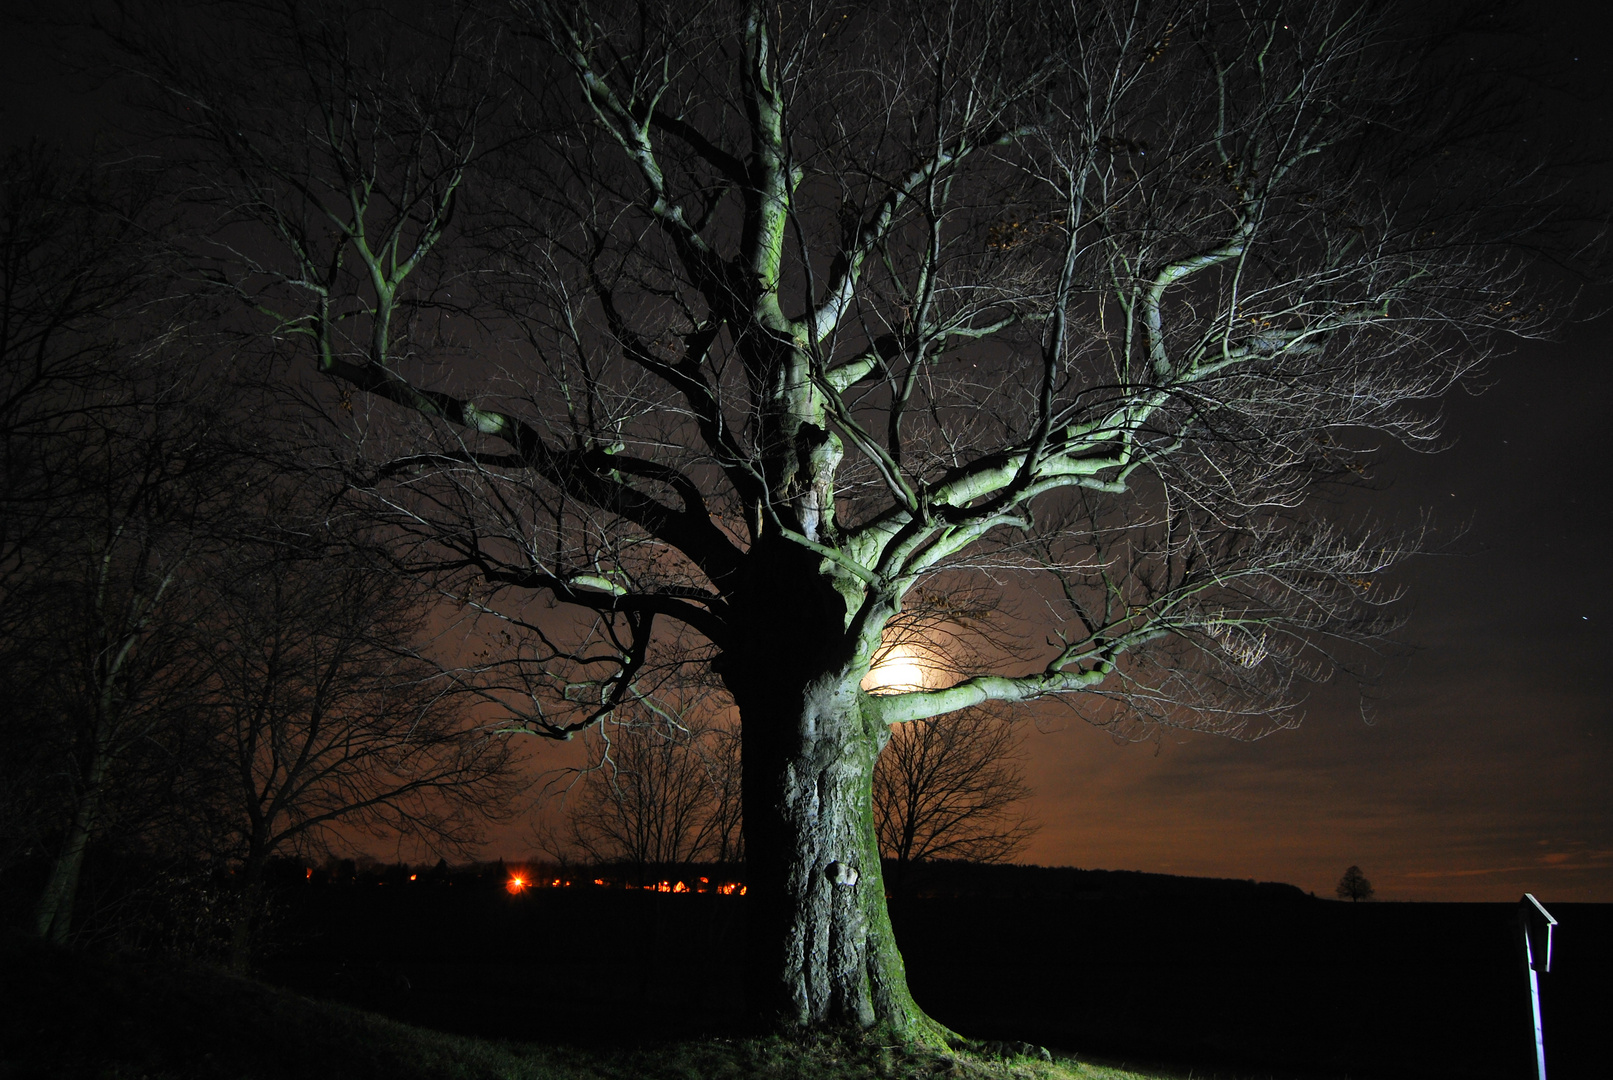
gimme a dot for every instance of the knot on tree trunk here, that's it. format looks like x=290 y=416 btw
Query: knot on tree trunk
x=840 y=873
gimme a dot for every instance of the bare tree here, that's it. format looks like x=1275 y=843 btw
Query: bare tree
x=742 y=321
x=111 y=665
x=108 y=461
x=327 y=715
x=662 y=791
x=70 y=265
x=1354 y=885
x=724 y=754
x=948 y=787
x=67 y=272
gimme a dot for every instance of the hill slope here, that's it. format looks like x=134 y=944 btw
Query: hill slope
x=67 y=1015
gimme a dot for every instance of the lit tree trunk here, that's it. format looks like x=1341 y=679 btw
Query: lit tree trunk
x=821 y=950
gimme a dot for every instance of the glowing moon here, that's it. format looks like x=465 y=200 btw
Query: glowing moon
x=897 y=671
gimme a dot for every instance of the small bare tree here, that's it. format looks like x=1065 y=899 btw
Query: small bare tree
x=950 y=787
x=328 y=716
x=1354 y=886
x=661 y=790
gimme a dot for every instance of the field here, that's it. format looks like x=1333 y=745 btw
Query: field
x=64 y=1015
x=1173 y=978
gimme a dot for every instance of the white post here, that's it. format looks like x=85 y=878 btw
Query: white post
x=1536 y=922
x=1534 y=999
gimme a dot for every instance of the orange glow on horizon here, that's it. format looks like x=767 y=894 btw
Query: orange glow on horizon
x=522 y=881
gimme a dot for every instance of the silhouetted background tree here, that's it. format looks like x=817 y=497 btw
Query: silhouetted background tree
x=113 y=478
x=1353 y=885
x=950 y=787
x=143 y=575
x=326 y=713
x=661 y=791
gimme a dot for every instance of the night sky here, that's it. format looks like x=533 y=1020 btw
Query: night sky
x=1485 y=770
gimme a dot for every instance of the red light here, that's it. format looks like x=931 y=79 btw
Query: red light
x=516 y=884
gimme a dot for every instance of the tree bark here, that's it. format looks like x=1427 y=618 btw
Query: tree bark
x=821 y=951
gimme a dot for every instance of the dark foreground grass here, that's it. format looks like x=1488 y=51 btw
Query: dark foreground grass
x=68 y=1015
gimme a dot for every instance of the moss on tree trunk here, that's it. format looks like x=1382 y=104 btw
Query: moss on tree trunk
x=822 y=952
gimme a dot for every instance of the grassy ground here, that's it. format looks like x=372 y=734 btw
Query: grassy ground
x=66 y=1015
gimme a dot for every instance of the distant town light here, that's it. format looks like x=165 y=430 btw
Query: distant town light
x=516 y=884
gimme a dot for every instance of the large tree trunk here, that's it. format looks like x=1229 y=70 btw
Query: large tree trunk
x=821 y=950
